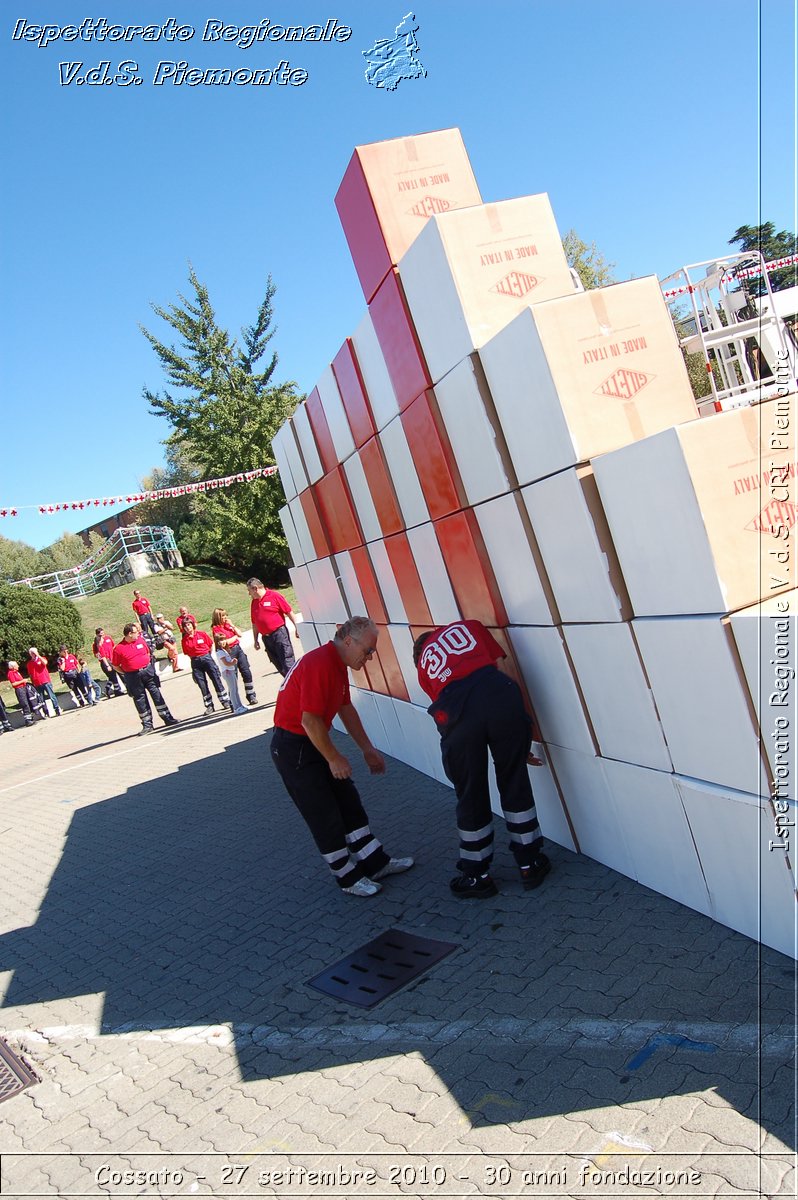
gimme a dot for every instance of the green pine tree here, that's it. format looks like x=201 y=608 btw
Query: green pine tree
x=224 y=412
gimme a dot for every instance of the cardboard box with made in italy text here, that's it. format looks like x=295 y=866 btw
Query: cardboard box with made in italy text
x=391 y=188
x=703 y=515
x=470 y=272
x=582 y=375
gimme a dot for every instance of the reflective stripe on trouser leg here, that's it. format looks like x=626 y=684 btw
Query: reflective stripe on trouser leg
x=364 y=848
x=198 y=675
x=135 y=687
x=152 y=686
x=476 y=847
x=525 y=836
x=331 y=808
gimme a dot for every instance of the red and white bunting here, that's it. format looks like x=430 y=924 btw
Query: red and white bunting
x=183 y=489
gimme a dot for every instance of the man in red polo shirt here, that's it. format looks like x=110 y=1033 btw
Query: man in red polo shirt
x=40 y=678
x=184 y=615
x=478 y=709
x=198 y=646
x=317 y=776
x=132 y=658
x=269 y=610
x=103 y=647
x=141 y=607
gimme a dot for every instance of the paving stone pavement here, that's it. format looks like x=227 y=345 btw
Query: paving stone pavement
x=164 y=907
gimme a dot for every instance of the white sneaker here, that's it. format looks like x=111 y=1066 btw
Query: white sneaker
x=363 y=887
x=394 y=866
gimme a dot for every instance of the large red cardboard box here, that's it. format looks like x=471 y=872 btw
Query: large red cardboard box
x=391 y=188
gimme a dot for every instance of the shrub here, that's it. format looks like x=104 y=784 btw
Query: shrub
x=29 y=618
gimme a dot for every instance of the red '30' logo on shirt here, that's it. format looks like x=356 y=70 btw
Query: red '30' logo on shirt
x=457 y=639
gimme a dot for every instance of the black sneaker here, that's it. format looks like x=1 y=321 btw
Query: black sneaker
x=170 y=721
x=533 y=876
x=145 y=729
x=473 y=887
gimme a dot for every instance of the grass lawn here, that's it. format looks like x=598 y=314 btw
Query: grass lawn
x=201 y=589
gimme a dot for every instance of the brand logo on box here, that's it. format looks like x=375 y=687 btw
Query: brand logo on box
x=776 y=513
x=623 y=384
x=428 y=206
x=517 y=283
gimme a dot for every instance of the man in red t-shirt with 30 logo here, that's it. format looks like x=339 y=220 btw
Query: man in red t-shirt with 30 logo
x=478 y=709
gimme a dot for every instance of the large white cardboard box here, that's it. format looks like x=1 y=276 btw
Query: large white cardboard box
x=469 y=272
x=702 y=515
x=585 y=374
x=618 y=695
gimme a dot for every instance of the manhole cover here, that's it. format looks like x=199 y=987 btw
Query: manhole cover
x=380 y=968
x=14 y=1075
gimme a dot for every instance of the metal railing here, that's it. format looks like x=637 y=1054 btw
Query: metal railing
x=93 y=574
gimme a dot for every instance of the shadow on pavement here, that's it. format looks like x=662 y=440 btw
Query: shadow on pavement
x=199 y=899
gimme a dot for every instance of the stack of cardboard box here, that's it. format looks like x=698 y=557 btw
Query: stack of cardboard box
x=492 y=444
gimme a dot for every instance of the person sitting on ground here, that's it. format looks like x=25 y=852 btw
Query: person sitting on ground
x=227 y=636
x=198 y=646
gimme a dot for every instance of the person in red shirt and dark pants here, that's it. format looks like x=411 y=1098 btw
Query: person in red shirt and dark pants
x=141 y=607
x=103 y=648
x=132 y=659
x=198 y=646
x=20 y=686
x=268 y=611
x=317 y=777
x=480 y=710
x=40 y=678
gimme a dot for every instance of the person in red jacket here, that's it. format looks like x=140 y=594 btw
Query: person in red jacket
x=318 y=778
x=40 y=678
x=141 y=607
x=198 y=646
x=227 y=636
x=269 y=611
x=133 y=659
x=20 y=686
x=103 y=647
x=70 y=673
x=184 y=615
x=480 y=710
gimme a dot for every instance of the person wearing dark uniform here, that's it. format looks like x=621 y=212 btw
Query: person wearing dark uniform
x=141 y=607
x=317 y=777
x=103 y=648
x=227 y=636
x=198 y=646
x=268 y=611
x=479 y=710
x=132 y=658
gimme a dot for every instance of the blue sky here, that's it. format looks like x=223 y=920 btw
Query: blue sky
x=649 y=124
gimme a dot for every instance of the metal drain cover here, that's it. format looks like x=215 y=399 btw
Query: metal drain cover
x=14 y=1075
x=380 y=968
